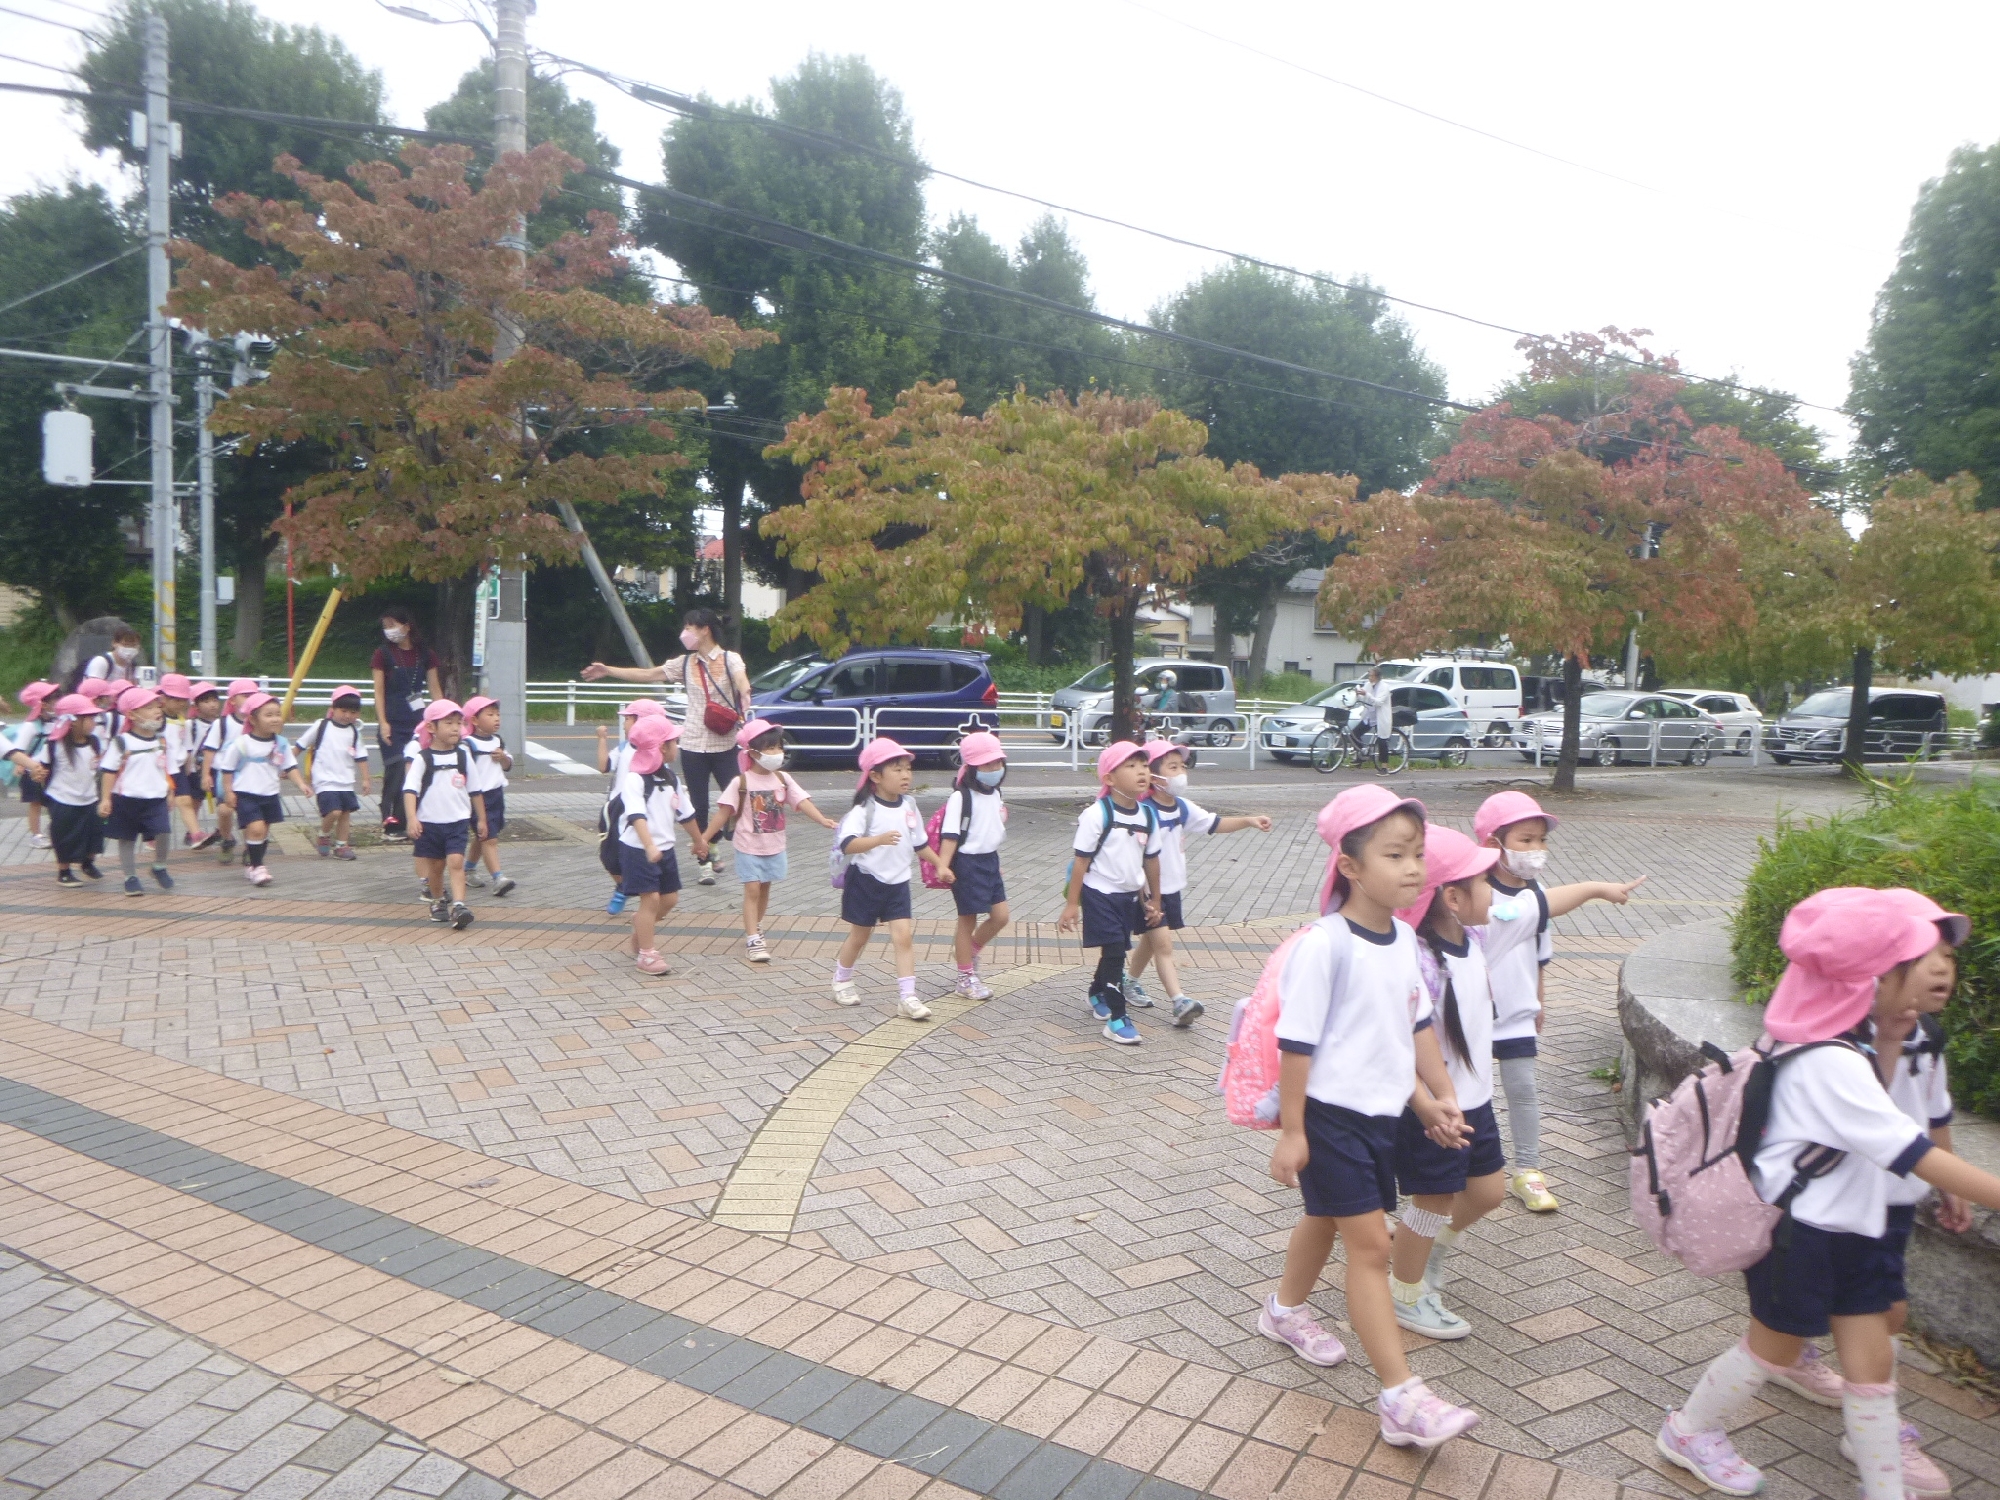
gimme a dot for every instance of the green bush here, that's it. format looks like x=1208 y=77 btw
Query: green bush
x=1943 y=843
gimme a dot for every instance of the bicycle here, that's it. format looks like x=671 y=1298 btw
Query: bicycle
x=1342 y=740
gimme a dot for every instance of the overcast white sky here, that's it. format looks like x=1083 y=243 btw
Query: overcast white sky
x=1779 y=146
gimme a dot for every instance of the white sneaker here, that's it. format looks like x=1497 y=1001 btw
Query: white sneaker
x=474 y=882
x=707 y=868
x=911 y=1008
x=759 y=953
x=972 y=987
x=41 y=841
x=257 y=875
x=846 y=992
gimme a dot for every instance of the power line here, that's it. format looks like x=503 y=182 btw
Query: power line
x=7 y=307
x=31 y=63
x=28 y=15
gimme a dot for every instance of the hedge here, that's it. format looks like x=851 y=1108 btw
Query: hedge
x=1943 y=843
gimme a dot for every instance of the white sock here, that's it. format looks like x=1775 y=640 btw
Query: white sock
x=1279 y=1308
x=1725 y=1387
x=1875 y=1433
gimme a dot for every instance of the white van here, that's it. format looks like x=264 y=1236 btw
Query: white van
x=1489 y=692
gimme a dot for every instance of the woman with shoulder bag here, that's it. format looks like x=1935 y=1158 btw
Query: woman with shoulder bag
x=718 y=694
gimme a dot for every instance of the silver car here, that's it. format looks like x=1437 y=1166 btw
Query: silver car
x=1088 y=699
x=1438 y=728
x=1620 y=725
x=1289 y=735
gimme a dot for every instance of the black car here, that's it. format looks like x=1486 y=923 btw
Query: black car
x=1902 y=725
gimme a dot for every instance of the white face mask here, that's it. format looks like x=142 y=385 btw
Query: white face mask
x=393 y=633
x=1176 y=784
x=126 y=655
x=1526 y=863
x=769 y=760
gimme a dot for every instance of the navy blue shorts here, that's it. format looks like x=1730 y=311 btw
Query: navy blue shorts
x=867 y=902
x=978 y=888
x=1810 y=1276
x=1351 y=1162
x=1514 y=1046
x=31 y=790
x=187 y=784
x=441 y=839
x=136 y=818
x=1423 y=1166
x=1110 y=919
x=1170 y=914
x=336 y=802
x=496 y=811
x=255 y=807
x=639 y=876
x=76 y=832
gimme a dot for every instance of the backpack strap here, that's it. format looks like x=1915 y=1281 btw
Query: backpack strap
x=430 y=769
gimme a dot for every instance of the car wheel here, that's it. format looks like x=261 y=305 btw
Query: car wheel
x=1498 y=730
x=1697 y=754
x=1220 y=732
x=1528 y=755
x=1455 y=752
x=1743 y=743
x=1783 y=760
x=1606 y=753
x=1283 y=758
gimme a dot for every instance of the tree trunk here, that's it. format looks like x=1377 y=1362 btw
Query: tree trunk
x=732 y=561
x=1854 y=749
x=66 y=617
x=1034 y=623
x=252 y=570
x=1565 y=777
x=1260 y=640
x=452 y=640
x=1124 y=697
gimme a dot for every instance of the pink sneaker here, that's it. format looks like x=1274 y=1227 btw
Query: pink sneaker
x=1811 y=1378
x=650 y=962
x=1921 y=1476
x=1710 y=1455
x=1412 y=1417
x=257 y=875
x=1314 y=1344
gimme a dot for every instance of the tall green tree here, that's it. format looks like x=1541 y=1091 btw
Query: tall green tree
x=227 y=52
x=1925 y=393
x=66 y=545
x=839 y=323
x=1286 y=423
x=555 y=117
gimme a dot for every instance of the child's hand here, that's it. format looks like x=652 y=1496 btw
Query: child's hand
x=1261 y=823
x=699 y=848
x=39 y=771
x=1540 y=1011
x=1442 y=1120
x=415 y=830
x=1153 y=914
x=104 y=806
x=1618 y=893
x=655 y=855
x=944 y=873
x=893 y=837
x=1289 y=1158
x=1071 y=912
x=1954 y=1214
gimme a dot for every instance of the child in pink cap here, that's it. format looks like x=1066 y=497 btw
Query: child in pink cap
x=137 y=779
x=222 y=731
x=611 y=761
x=66 y=766
x=970 y=832
x=1178 y=817
x=251 y=767
x=177 y=698
x=490 y=765
x=20 y=748
x=1833 y=1142
x=651 y=800
x=439 y=811
x=1358 y=1048
x=1515 y=824
x=754 y=804
x=338 y=757
x=876 y=838
x=1114 y=879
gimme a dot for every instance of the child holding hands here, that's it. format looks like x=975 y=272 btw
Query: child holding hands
x=755 y=803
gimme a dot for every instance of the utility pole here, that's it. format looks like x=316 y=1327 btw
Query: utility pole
x=165 y=513
x=504 y=659
x=204 y=392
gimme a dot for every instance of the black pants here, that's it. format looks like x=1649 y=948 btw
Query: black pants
x=1107 y=983
x=697 y=766
x=392 y=775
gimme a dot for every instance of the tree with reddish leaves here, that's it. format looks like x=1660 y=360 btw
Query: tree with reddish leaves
x=392 y=287
x=1559 y=533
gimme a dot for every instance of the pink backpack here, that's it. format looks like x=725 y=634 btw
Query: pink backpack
x=934 y=837
x=1249 y=1081
x=1692 y=1189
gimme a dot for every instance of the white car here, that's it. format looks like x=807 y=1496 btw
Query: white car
x=1741 y=720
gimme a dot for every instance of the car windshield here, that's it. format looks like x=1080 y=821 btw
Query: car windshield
x=1607 y=705
x=784 y=674
x=1096 y=680
x=1831 y=704
x=1398 y=670
x=1338 y=693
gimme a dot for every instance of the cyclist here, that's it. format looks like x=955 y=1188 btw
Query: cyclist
x=1379 y=713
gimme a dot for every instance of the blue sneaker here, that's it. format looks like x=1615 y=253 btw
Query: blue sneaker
x=616 y=904
x=1099 y=1008
x=162 y=879
x=132 y=886
x=1123 y=1032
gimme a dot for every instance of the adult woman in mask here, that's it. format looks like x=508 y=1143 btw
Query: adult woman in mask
x=718 y=694
x=119 y=664
x=406 y=678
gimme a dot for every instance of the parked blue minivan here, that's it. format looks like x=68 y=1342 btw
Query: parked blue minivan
x=923 y=698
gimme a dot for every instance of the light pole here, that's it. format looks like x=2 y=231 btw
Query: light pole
x=165 y=516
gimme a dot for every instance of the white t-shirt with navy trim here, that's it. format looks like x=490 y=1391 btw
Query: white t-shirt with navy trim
x=256 y=765
x=1119 y=866
x=446 y=801
x=888 y=863
x=1832 y=1097
x=1362 y=1039
x=660 y=807
x=72 y=770
x=1919 y=1090
x=218 y=734
x=988 y=830
x=487 y=776
x=336 y=750
x=1185 y=818
x=1510 y=926
x=1517 y=975
x=144 y=767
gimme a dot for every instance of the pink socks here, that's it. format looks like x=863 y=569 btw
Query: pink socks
x=1725 y=1387
x=842 y=972
x=1875 y=1434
